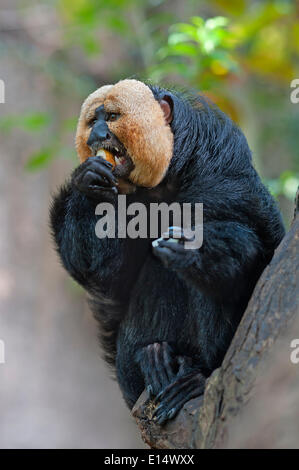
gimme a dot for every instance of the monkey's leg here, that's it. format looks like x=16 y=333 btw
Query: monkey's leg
x=158 y=366
x=188 y=384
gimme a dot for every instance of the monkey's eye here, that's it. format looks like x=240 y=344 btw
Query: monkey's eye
x=112 y=116
x=92 y=122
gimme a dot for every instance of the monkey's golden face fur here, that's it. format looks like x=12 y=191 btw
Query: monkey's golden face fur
x=141 y=128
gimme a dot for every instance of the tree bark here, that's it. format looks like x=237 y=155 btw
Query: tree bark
x=224 y=415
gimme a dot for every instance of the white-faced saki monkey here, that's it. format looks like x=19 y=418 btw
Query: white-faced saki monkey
x=167 y=314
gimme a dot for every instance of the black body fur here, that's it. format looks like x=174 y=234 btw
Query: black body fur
x=167 y=317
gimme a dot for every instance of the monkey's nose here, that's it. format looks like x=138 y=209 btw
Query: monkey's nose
x=99 y=133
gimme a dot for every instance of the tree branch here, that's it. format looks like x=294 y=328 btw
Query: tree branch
x=206 y=421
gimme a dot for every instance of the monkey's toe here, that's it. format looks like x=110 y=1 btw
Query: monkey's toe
x=175 y=395
x=158 y=365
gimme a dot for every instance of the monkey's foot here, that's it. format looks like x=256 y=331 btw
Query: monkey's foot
x=175 y=395
x=158 y=366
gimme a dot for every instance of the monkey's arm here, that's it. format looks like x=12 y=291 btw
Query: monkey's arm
x=90 y=261
x=224 y=264
x=225 y=268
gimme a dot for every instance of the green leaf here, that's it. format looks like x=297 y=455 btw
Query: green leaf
x=39 y=159
x=216 y=22
x=285 y=185
x=34 y=121
x=290 y=187
x=177 y=38
x=118 y=24
x=197 y=21
x=186 y=30
x=30 y=122
x=186 y=50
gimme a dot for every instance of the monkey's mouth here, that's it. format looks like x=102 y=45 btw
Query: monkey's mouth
x=123 y=162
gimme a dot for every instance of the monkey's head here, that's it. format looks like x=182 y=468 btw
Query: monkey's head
x=127 y=120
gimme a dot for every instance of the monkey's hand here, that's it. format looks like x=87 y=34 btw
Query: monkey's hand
x=170 y=249
x=94 y=178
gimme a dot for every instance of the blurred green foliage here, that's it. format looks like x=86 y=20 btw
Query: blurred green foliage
x=243 y=54
x=29 y=122
x=199 y=50
x=286 y=184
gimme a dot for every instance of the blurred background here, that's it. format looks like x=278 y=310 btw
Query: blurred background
x=55 y=391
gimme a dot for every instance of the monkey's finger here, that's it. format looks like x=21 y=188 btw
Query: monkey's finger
x=92 y=160
x=172 y=409
x=156 y=243
x=92 y=179
x=165 y=253
x=173 y=232
x=102 y=170
x=190 y=390
x=84 y=178
x=185 y=365
x=179 y=383
x=172 y=244
x=179 y=233
x=96 y=192
x=183 y=384
x=108 y=189
x=89 y=164
x=102 y=161
x=93 y=165
x=177 y=394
